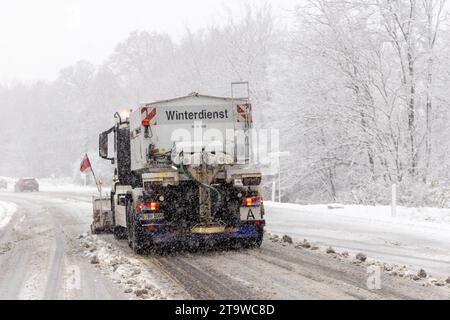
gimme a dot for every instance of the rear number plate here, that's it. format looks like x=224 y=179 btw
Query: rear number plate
x=152 y=216
x=250 y=213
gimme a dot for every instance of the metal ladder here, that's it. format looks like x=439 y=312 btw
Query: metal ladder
x=247 y=114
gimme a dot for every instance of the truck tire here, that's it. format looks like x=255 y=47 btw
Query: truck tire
x=137 y=243
x=120 y=233
x=135 y=239
x=254 y=242
x=94 y=230
x=259 y=240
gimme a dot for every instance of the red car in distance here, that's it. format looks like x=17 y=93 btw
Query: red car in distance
x=26 y=184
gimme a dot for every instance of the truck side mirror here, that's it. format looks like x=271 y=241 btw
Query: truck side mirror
x=103 y=145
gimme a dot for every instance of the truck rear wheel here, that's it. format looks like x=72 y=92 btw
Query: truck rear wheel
x=94 y=230
x=135 y=234
x=120 y=233
x=255 y=242
x=259 y=240
x=252 y=243
x=138 y=244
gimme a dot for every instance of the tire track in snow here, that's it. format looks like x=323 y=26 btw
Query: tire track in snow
x=201 y=283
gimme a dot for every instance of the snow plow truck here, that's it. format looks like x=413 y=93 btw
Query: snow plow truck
x=182 y=174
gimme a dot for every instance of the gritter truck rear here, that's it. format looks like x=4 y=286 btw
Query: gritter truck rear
x=182 y=174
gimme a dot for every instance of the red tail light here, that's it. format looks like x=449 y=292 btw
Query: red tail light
x=151 y=206
x=154 y=206
x=252 y=202
x=148 y=206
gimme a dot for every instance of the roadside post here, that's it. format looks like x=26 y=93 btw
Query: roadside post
x=394 y=200
x=274 y=190
x=279 y=155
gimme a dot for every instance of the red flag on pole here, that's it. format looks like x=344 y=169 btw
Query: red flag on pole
x=85 y=164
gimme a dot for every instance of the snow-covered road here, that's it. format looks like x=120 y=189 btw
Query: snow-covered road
x=7 y=209
x=43 y=257
x=417 y=238
x=38 y=251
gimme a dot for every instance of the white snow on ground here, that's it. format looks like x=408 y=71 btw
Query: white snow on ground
x=378 y=213
x=60 y=185
x=128 y=271
x=57 y=185
x=394 y=270
x=10 y=181
x=416 y=237
x=64 y=185
x=7 y=210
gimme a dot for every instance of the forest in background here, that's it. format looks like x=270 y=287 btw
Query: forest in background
x=358 y=90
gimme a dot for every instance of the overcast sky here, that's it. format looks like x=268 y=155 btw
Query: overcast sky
x=38 y=38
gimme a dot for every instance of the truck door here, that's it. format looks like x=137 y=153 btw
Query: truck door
x=120 y=209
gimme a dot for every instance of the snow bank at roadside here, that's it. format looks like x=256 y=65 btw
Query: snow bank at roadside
x=376 y=213
x=10 y=182
x=64 y=185
x=416 y=237
x=131 y=273
x=57 y=185
x=7 y=210
x=362 y=260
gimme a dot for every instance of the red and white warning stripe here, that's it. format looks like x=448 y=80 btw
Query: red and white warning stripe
x=244 y=112
x=147 y=121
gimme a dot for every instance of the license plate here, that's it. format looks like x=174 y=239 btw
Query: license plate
x=251 y=213
x=152 y=216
